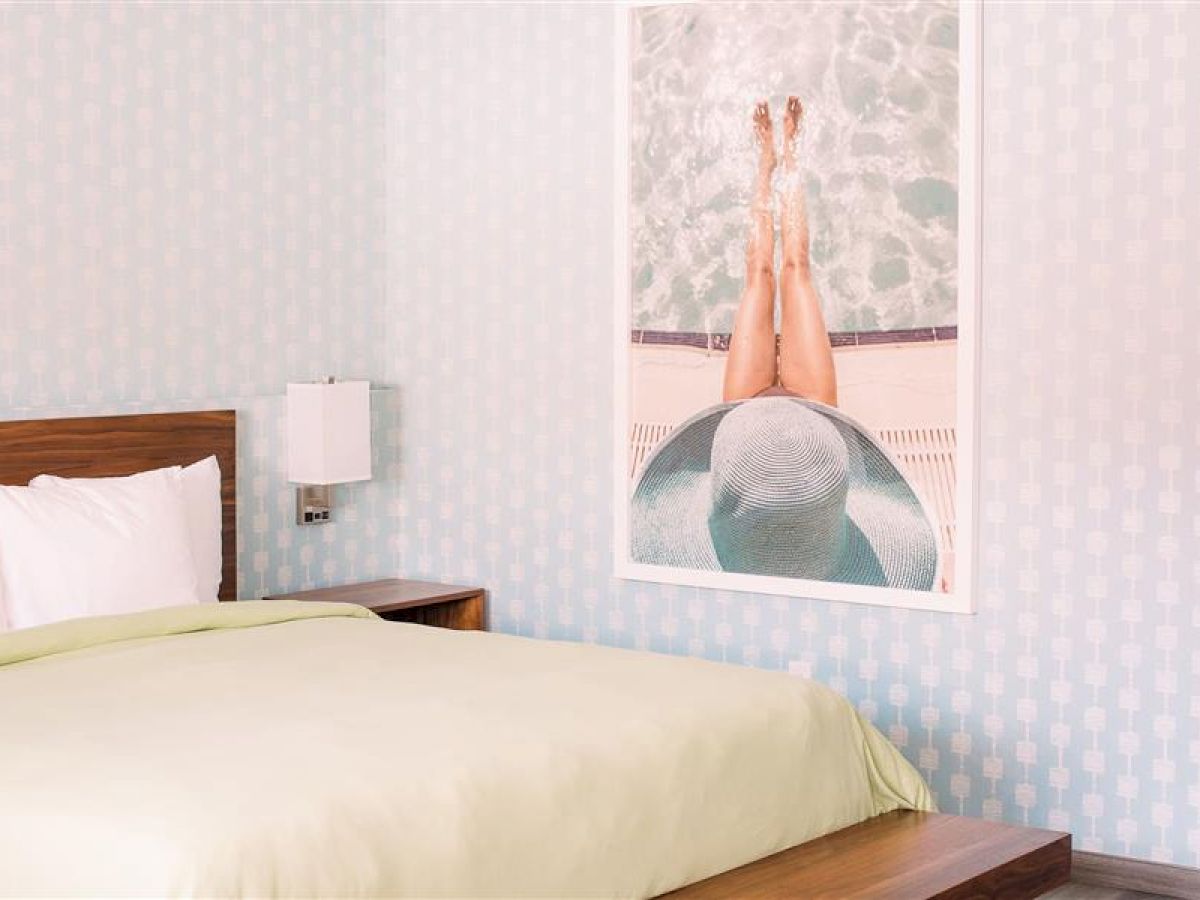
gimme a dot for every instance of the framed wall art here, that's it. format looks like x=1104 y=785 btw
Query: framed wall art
x=797 y=273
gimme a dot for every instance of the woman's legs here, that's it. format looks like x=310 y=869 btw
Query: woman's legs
x=750 y=367
x=805 y=356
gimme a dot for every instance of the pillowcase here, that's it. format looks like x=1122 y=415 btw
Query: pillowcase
x=80 y=551
x=201 y=483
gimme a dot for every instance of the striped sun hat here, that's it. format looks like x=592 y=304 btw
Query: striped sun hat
x=786 y=487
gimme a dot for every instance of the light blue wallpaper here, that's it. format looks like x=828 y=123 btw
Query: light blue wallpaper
x=192 y=213
x=199 y=202
x=1072 y=699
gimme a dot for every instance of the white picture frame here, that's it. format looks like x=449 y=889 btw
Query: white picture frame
x=961 y=599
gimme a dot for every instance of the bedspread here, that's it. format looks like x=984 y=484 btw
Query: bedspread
x=277 y=748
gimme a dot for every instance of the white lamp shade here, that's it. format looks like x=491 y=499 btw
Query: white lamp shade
x=329 y=432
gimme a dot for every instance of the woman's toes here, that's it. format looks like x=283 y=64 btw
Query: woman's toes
x=763 y=132
x=791 y=117
x=762 y=116
x=791 y=127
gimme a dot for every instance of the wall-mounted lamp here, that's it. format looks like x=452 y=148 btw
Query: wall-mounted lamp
x=328 y=442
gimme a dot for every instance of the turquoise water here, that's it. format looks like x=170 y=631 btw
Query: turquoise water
x=879 y=151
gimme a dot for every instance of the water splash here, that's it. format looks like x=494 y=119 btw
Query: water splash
x=878 y=151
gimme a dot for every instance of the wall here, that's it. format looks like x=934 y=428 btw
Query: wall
x=203 y=244
x=1072 y=699
x=191 y=214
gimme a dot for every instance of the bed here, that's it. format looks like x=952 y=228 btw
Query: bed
x=274 y=748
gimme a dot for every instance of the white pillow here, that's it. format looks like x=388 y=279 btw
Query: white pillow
x=202 y=499
x=94 y=551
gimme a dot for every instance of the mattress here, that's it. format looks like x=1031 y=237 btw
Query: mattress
x=286 y=749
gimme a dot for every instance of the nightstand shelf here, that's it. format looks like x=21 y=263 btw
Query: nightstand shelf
x=400 y=600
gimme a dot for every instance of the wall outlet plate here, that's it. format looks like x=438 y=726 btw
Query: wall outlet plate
x=314 y=504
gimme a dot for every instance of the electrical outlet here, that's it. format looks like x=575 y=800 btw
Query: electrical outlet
x=314 y=505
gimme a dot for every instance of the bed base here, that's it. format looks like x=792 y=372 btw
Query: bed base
x=904 y=855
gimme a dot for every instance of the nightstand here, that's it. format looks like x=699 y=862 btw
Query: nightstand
x=399 y=600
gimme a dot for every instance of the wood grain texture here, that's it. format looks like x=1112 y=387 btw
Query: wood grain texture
x=109 y=446
x=403 y=600
x=1119 y=872
x=463 y=614
x=904 y=854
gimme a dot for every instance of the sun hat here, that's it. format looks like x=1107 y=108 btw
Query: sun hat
x=782 y=486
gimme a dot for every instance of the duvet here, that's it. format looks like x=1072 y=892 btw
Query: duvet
x=301 y=749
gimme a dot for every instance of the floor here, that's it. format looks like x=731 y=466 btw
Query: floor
x=1075 y=891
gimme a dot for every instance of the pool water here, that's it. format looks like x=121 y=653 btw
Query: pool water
x=878 y=150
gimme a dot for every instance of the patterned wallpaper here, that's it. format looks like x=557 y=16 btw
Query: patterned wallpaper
x=193 y=202
x=1072 y=699
x=192 y=209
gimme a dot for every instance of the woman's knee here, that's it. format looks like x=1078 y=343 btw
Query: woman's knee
x=760 y=272
x=795 y=265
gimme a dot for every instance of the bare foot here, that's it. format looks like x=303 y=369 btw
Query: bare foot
x=791 y=128
x=764 y=134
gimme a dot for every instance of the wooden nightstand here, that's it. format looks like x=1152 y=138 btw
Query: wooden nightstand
x=398 y=600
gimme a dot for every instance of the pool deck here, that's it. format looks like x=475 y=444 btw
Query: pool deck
x=884 y=386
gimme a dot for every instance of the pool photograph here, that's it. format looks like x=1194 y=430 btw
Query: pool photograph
x=797 y=289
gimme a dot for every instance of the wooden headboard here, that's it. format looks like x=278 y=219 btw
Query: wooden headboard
x=106 y=446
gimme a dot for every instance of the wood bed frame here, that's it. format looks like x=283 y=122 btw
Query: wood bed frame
x=107 y=446
x=903 y=855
